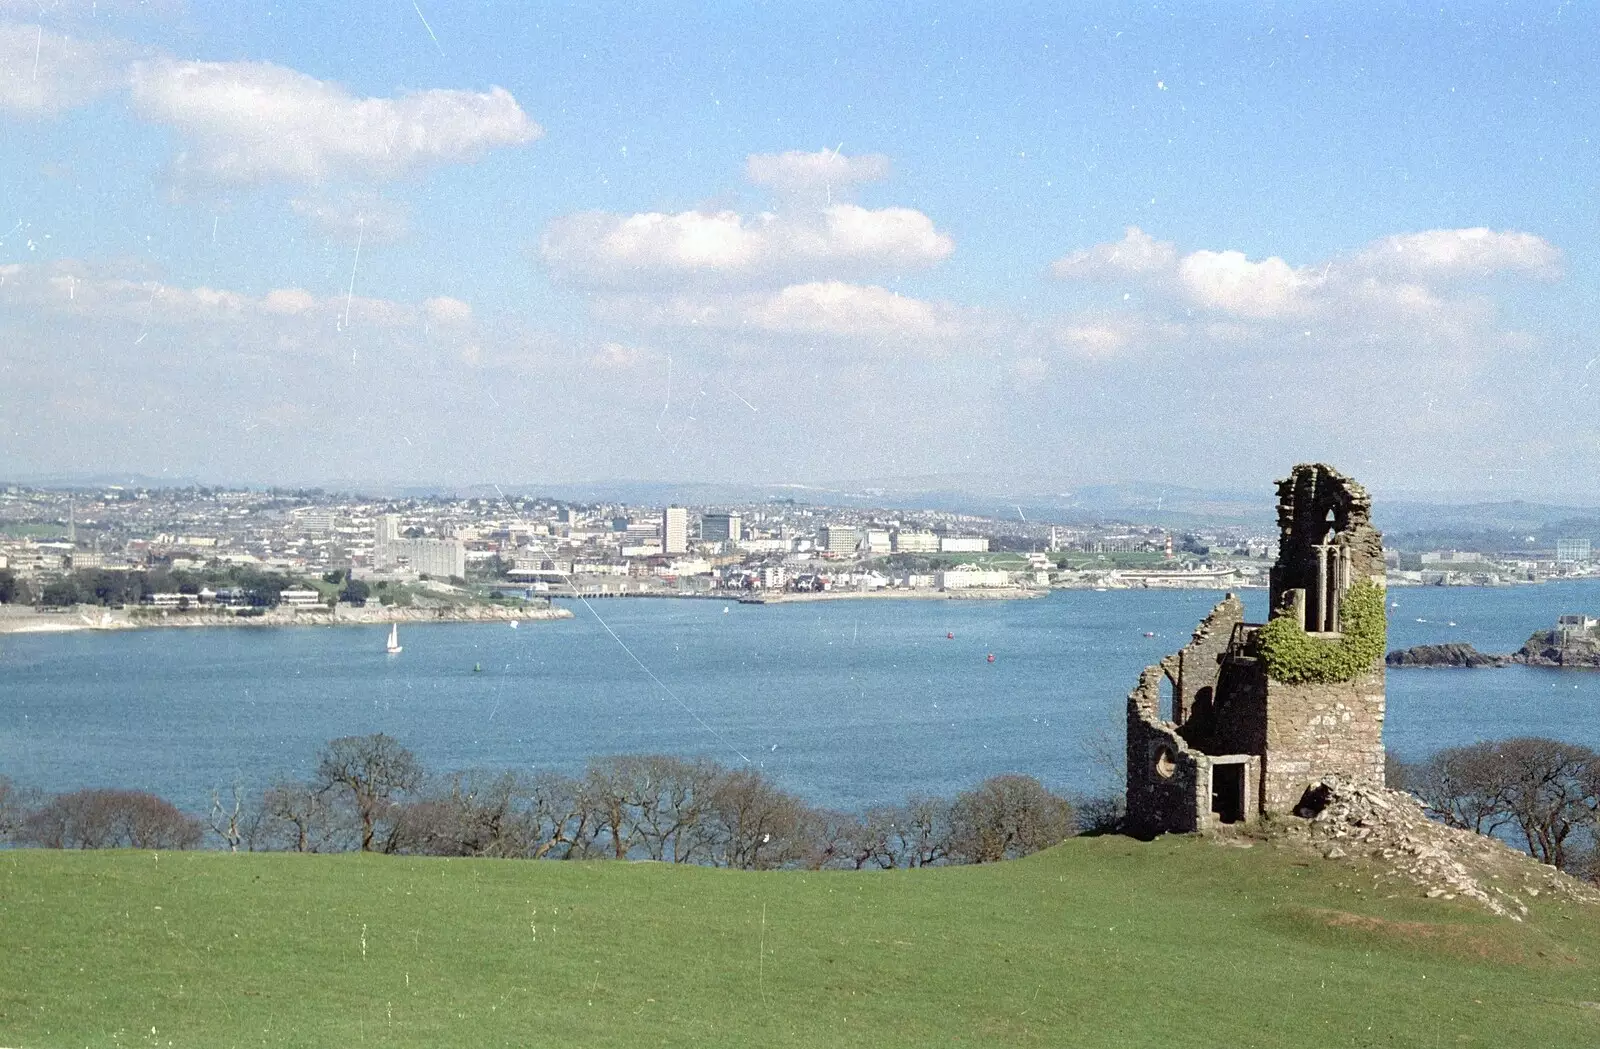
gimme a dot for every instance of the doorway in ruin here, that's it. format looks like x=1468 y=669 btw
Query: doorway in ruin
x=1227 y=791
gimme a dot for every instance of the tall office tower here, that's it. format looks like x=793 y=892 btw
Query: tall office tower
x=716 y=528
x=675 y=530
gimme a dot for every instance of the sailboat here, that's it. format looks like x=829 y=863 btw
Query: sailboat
x=393 y=647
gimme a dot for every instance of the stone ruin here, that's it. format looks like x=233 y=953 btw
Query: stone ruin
x=1213 y=739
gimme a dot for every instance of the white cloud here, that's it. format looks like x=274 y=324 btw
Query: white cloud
x=1104 y=336
x=834 y=308
x=1391 y=284
x=797 y=172
x=1444 y=253
x=74 y=290
x=828 y=309
x=1137 y=254
x=610 y=248
x=357 y=216
x=43 y=73
x=255 y=121
x=1228 y=282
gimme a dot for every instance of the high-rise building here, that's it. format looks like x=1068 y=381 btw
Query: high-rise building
x=836 y=539
x=675 y=530
x=715 y=528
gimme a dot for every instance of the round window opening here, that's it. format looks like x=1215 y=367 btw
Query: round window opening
x=1166 y=764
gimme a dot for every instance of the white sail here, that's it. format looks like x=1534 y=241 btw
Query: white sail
x=394 y=639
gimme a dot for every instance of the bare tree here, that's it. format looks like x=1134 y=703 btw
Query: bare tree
x=371 y=772
x=920 y=831
x=753 y=824
x=298 y=817
x=226 y=820
x=1544 y=791
x=101 y=819
x=1006 y=817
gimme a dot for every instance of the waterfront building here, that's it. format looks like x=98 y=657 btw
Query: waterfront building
x=915 y=543
x=1571 y=550
x=836 y=539
x=675 y=530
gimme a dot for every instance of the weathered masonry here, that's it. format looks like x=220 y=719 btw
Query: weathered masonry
x=1247 y=716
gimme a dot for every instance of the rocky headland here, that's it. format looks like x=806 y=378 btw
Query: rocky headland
x=1451 y=654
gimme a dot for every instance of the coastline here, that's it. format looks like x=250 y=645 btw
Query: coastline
x=975 y=594
x=90 y=617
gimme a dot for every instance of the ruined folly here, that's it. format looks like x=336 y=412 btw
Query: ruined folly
x=1247 y=717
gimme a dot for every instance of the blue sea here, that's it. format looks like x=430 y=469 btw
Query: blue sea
x=848 y=703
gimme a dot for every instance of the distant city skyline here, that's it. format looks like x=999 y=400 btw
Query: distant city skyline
x=421 y=244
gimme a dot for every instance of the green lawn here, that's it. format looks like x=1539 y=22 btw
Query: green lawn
x=1101 y=942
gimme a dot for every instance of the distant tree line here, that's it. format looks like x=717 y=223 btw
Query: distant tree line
x=1542 y=795
x=96 y=586
x=371 y=794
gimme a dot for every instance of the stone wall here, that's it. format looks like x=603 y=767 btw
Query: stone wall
x=1193 y=669
x=1320 y=731
x=1167 y=781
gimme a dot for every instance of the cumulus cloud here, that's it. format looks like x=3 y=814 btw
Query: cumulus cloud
x=1228 y=282
x=43 y=73
x=254 y=121
x=1136 y=254
x=608 y=248
x=1401 y=280
x=799 y=172
x=1476 y=252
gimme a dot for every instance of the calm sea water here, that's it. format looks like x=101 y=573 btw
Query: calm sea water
x=848 y=703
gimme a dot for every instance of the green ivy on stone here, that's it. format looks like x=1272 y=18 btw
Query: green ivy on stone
x=1296 y=658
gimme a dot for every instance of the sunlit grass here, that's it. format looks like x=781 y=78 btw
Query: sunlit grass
x=1101 y=942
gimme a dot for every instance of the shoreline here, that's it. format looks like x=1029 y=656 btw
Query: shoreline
x=94 y=618
x=974 y=594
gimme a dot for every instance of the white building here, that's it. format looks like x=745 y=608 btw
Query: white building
x=966 y=578
x=674 y=530
x=837 y=539
x=964 y=544
x=441 y=558
x=296 y=597
x=878 y=541
x=916 y=543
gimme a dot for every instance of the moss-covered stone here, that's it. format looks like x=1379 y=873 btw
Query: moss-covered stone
x=1295 y=657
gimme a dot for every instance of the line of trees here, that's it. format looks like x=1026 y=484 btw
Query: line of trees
x=369 y=793
x=95 y=586
x=1541 y=794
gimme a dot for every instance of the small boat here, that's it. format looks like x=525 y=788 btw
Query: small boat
x=991 y=657
x=1149 y=633
x=724 y=609
x=950 y=636
x=393 y=648
x=515 y=624
x=477 y=668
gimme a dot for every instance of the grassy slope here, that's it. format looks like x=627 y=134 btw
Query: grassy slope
x=1101 y=942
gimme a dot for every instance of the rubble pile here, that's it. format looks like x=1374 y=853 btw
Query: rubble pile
x=1390 y=828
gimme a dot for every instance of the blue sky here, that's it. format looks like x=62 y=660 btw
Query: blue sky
x=800 y=242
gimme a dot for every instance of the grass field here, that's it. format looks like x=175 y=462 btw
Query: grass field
x=1100 y=942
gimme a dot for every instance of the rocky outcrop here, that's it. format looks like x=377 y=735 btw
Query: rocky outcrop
x=1548 y=648
x=1390 y=829
x=1452 y=654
